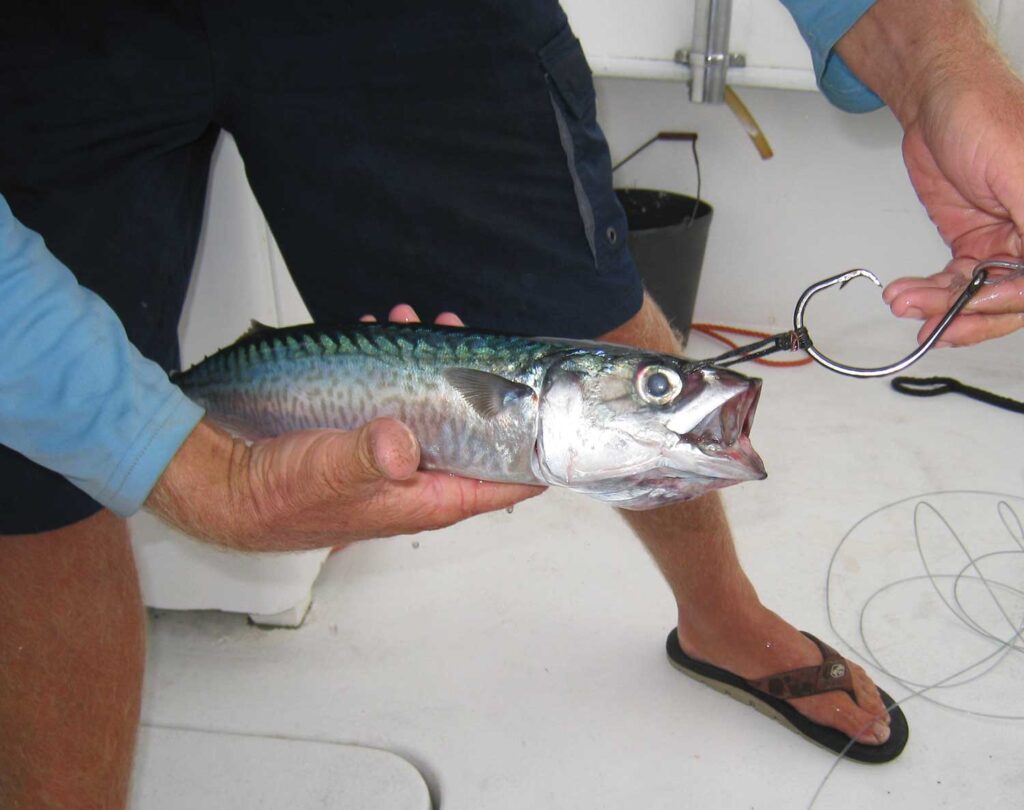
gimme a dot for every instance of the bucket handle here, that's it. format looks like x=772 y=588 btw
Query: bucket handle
x=689 y=137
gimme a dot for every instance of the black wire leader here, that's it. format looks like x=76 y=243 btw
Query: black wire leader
x=791 y=341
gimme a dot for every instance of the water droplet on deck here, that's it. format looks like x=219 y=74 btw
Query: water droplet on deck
x=415 y=543
x=510 y=509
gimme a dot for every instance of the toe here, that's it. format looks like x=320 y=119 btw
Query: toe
x=838 y=711
x=868 y=696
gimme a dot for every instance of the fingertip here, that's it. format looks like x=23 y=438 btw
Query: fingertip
x=903 y=304
x=367 y=319
x=403 y=313
x=396 y=453
x=892 y=294
x=448 y=319
x=894 y=288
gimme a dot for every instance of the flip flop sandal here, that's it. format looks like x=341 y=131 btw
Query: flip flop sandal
x=768 y=696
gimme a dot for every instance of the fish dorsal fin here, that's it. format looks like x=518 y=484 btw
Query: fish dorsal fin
x=257 y=328
x=487 y=393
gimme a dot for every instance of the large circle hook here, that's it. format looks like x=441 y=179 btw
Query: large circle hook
x=979 y=278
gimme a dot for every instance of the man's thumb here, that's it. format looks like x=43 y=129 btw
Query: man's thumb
x=386 y=448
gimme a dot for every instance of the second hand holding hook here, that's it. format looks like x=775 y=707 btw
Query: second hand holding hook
x=976 y=282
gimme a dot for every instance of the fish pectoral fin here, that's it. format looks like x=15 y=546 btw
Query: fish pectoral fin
x=488 y=394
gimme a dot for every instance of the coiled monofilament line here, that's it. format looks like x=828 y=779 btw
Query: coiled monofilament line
x=970 y=572
x=791 y=341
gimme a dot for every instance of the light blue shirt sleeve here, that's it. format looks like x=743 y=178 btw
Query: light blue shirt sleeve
x=75 y=395
x=822 y=23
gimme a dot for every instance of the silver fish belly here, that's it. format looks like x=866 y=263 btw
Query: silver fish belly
x=622 y=425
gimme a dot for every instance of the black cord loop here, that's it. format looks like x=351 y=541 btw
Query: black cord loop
x=934 y=386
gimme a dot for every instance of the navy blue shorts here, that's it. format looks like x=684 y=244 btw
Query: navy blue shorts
x=445 y=154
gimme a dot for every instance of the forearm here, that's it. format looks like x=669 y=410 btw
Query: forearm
x=77 y=397
x=905 y=51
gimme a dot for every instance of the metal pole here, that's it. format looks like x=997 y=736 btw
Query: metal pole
x=709 y=55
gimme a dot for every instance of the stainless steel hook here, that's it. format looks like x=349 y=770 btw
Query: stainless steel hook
x=979 y=278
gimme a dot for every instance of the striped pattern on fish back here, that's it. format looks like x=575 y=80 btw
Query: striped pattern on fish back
x=278 y=380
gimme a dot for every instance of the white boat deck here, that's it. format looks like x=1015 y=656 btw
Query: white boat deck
x=517 y=660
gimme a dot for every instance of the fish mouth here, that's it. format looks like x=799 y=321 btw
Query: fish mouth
x=740 y=412
x=724 y=437
x=726 y=457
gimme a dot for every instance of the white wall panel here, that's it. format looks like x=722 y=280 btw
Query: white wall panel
x=639 y=39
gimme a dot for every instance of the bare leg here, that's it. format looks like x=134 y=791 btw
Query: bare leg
x=721 y=619
x=72 y=643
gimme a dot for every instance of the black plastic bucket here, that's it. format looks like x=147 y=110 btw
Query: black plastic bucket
x=667 y=236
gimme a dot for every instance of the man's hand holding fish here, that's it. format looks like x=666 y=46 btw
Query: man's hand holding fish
x=317 y=488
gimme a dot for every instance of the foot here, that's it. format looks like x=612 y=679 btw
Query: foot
x=756 y=643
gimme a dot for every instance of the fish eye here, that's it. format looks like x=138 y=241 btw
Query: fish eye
x=658 y=385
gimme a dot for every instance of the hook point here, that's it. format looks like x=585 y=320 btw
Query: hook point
x=860 y=272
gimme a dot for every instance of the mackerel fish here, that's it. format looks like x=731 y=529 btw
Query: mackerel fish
x=634 y=428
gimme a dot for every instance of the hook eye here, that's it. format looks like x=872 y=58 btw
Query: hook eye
x=1014 y=270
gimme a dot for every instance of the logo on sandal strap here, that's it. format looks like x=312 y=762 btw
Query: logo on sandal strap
x=836 y=671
